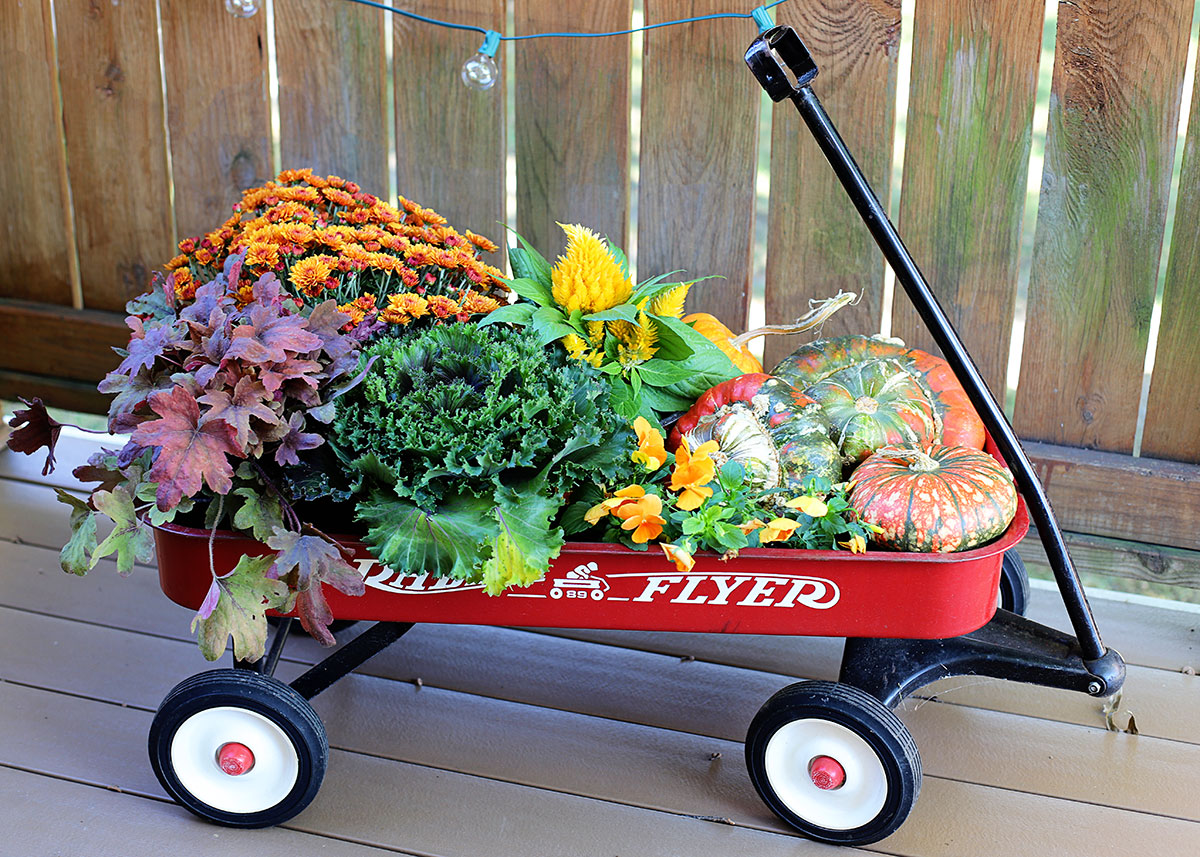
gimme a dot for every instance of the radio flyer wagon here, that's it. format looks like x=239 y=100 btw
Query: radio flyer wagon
x=830 y=758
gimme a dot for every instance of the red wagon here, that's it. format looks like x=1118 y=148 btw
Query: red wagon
x=830 y=758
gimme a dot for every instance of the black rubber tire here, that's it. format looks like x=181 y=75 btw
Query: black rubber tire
x=868 y=719
x=1014 y=583
x=252 y=692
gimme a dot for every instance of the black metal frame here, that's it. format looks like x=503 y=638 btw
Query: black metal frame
x=1009 y=647
x=341 y=662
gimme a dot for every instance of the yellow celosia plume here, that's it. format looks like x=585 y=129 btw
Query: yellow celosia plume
x=586 y=276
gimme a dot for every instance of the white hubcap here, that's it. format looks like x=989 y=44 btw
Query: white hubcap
x=854 y=803
x=198 y=742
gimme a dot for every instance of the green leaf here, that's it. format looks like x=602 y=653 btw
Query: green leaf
x=522 y=550
x=236 y=606
x=518 y=313
x=661 y=373
x=528 y=263
x=532 y=290
x=130 y=539
x=651 y=287
x=664 y=401
x=671 y=344
x=708 y=365
x=620 y=312
x=451 y=541
x=550 y=324
x=261 y=513
x=619 y=255
x=76 y=554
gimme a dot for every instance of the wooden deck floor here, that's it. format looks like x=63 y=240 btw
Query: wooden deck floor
x=563 y=743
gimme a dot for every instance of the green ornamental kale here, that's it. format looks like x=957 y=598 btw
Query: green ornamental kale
x=467 y=440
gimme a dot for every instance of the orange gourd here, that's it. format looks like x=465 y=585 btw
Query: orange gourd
x=711 y=328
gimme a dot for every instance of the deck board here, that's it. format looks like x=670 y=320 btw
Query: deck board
x=558 y=741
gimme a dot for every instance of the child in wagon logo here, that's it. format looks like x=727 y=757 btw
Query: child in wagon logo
x=579 y=583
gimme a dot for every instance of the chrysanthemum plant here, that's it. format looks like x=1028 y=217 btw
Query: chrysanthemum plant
x=587 y=302
x=701 y=502
x=228 y=386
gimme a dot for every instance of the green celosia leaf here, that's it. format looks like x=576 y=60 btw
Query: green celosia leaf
x=620 y=312
x=528 y=263
x=518 y=313
x=549 y=324
x=451 y=541
x=236 y=606
x=76 y=555
x=532 y=290
x=130 y=539
x=671 y=344
x=661 y=373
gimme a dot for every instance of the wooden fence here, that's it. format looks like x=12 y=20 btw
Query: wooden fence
x=124 y=129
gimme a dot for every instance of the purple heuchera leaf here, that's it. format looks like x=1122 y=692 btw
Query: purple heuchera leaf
x=326 y=321
x=315 y=561
x=34 y=428
x=295 y=441
x=249 y=399
x=189 y=454
x=146 y=345
x=269 y=337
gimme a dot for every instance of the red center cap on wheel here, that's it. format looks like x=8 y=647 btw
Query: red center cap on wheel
x=826 y=772
x=235 y=759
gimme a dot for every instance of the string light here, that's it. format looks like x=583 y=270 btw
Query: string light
x=241 y=8
x=480 y=72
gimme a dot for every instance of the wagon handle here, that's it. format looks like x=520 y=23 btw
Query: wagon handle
x=785 y=68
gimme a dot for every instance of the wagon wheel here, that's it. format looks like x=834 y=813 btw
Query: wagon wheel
x=1014 y=584
x=833 y=762
x=238 y=748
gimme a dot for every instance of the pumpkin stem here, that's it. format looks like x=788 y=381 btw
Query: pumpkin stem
x=819 y=312
x=917 y=459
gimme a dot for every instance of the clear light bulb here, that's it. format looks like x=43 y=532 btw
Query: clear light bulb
x=241 y=8
x=480 y=72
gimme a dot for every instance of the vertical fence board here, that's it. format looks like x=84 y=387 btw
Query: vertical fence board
x=217 y=110
x=816 y=243
x=572 y=121
x=1173 y=410
x=698 y=153
x=116 y=146
x=966 y=158
x=450 y=139
x=332 y=90
x=1114 y=107
x=35 y=245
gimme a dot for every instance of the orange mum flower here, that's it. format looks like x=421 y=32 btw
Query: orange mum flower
x=309 y=275
x=262 y=255
x=476 y=303
x=403 y=308
x=693 y=471
x=177 y=262
x=338 y=197
x=443 y=307
x=482 y=243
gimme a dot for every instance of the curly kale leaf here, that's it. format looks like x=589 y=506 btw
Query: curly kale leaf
x=462 y=406
x=468 y=439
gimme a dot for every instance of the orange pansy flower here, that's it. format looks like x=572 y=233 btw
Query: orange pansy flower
x=693 y=471
x=650 y=453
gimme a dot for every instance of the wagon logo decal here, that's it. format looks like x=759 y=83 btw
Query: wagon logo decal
x=586 y=583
